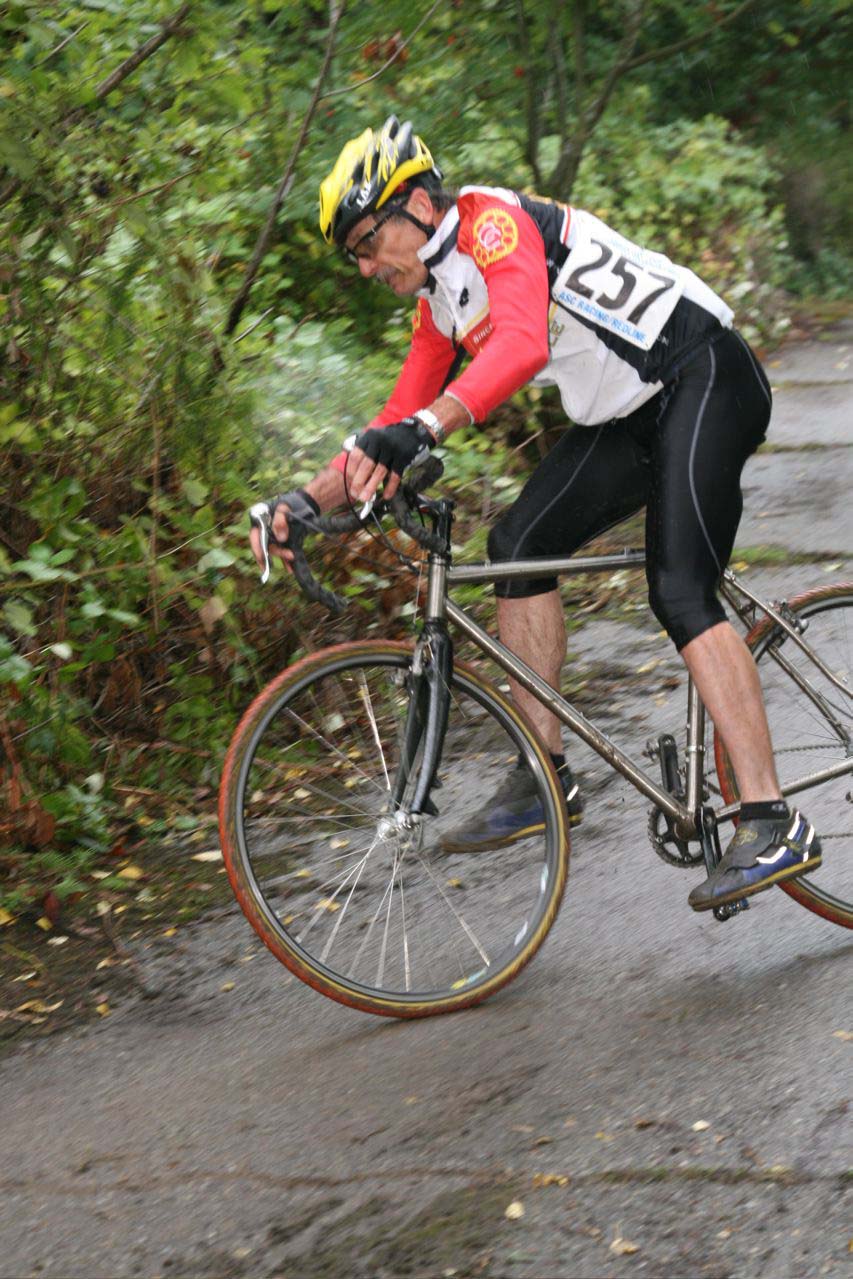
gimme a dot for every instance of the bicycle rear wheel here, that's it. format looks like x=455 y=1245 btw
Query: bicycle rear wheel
x=807 y=738
x=375 y=917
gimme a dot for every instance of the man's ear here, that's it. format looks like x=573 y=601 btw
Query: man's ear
x=421 y=205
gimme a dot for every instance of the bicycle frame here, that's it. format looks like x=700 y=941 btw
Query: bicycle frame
x=690 y=817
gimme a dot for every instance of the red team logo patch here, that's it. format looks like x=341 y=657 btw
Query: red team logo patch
x=495 y=235
x=418 y=316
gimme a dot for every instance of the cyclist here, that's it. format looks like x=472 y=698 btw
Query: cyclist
x=667 y=400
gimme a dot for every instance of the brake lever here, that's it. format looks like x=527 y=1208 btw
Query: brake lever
x=259 y=515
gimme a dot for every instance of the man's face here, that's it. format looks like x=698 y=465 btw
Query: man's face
x=387 y=248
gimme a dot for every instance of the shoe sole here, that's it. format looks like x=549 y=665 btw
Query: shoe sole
x=737 y=894
x=492 y=846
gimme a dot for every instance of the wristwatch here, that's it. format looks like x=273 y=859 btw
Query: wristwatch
x=431 y=423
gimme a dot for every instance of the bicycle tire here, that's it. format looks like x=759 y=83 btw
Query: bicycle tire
x=299 y=797
x=801 y=740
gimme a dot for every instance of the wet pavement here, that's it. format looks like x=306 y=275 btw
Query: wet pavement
x=657 y=1094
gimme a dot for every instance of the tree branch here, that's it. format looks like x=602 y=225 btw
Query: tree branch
x=142 y=54
x=351 y=88
x=572 y=146
x=239 y=303
x=111 y=82
x=531 y=148
x=666 y=51
x=560 y=71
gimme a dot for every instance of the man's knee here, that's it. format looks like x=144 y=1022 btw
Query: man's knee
x=506 y=542
x=683 y=607
x=502 y=539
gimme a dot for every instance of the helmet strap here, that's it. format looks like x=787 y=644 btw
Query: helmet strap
x=426 y=227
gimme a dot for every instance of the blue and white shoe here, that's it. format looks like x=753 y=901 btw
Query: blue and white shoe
x=513 y=812
x=762 y=853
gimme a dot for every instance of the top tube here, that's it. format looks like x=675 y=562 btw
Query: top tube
x=549 y=567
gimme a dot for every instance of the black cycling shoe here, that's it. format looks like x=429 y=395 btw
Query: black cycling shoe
x=510 y=814
x=762 y=853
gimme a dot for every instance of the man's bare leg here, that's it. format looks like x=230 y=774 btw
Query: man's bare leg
x=534 y=628
x=728 y=683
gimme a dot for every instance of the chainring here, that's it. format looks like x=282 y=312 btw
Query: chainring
x=663 y=839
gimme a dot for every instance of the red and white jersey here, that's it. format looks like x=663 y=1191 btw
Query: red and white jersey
x=539 y=291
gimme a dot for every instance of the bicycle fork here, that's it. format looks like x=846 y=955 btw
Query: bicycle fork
x=429 y=696
x=426 y=719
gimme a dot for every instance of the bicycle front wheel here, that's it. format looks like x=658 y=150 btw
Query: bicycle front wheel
x=371 y=915
x=810 y=734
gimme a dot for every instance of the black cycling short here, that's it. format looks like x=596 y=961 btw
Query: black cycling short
x=680 y=455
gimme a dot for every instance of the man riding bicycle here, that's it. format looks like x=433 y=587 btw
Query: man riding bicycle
x=667 y=400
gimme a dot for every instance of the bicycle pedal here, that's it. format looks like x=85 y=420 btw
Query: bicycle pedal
x=722 y=913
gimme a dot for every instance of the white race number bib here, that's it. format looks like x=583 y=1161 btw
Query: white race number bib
x=615 y=283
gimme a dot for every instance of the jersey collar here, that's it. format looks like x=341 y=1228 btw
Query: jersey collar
x=439 y=246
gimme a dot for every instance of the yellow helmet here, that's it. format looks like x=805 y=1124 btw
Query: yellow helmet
x=368 y=171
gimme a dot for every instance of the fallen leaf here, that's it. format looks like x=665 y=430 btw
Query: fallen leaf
x=38 y=1006
x=103 y=1009
x=302 y=874
x=623 y=1247
x=409 y=1101
x=6 y=918
x=56 y=941
x=26 y=976
x=571 y=1122
x=131 y=872
x=701 y=1125
x=549 y=1179
x=301 y=793
x=604 y=1136
x=104 y=963
x=103 y=908
x=340 y=841
x=44 y=923
x=326 y=903
x=724 y=1233
x=169 y=932
x=454 y=883
x=228 y=985
x=100 y=874
x=51 y=907
x=543 y=1141
x=845 y=1035
x=523 y=1128
x=515 y=1210
x=211 y=855
x=211 y=612
x=644 y=1123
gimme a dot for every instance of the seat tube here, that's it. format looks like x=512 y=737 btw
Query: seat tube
x=695 y=748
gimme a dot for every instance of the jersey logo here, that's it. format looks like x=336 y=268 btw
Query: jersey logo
x=418 y=316
x=495 y=235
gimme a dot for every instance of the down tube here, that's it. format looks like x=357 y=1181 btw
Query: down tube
x=577 y=722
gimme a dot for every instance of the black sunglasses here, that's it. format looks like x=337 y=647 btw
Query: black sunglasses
x=353 y=254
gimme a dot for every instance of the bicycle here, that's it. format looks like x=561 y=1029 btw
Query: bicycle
x=348 y=767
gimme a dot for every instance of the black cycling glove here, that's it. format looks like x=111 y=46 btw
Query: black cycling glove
x=303 y=508
x=395 y=446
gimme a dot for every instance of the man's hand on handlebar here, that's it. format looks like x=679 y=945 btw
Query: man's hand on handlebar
x=381 y=454
x=281 y=512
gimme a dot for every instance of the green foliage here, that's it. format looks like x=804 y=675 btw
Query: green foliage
x=133 y=433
